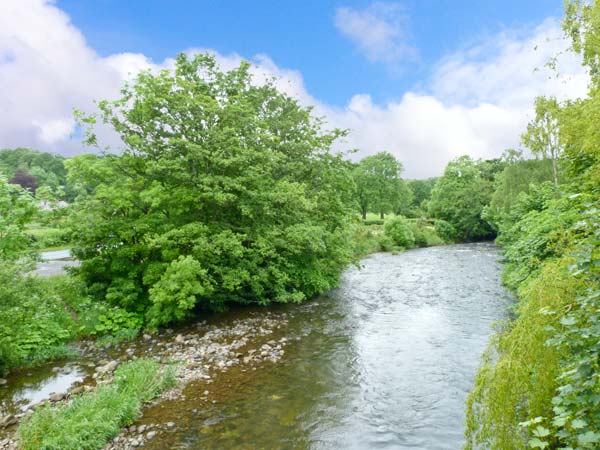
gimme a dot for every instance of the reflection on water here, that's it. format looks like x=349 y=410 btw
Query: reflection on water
x=384 y=362
x=29 y=388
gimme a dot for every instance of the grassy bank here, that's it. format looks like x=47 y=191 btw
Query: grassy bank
x=538 y=385
x=88 y=421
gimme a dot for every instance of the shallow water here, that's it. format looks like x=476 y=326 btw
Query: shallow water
x=54 y=263
x=384 y=362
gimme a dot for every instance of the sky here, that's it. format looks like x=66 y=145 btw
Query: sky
x=427 y=80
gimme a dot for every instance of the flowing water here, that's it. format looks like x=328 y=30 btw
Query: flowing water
x=384 y=362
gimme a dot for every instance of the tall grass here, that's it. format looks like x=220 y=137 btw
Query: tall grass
x=88 y=421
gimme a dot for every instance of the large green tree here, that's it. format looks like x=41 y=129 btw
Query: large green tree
x=542 y=135
x=421 y=193
x=459 y=197
x=517 y=177
x=379 y=186
x=225 y=190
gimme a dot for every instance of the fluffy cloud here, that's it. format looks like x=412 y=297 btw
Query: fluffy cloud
x=477 y=100
x=379 y=31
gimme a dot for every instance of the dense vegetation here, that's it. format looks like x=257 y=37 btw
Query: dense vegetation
x=539 y=386
x=39 y=316
x=224 y=191
x=33 y=169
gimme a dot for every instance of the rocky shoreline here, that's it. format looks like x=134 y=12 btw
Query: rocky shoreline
x=200 y=353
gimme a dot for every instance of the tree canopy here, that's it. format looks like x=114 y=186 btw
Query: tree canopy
x=459 y=197
x=542 y=135
x=31 y=168
x=379 y=186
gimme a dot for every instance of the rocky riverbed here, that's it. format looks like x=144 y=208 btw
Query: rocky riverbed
x=201 y=352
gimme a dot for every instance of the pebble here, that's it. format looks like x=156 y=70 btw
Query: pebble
x=7 y=421
x=57 y=397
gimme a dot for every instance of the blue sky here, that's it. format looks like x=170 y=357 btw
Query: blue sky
x=425 y=80
x=301 y=35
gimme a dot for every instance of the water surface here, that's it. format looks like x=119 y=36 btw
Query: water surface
x=384 y=362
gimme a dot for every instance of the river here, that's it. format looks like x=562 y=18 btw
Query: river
x=384 y=362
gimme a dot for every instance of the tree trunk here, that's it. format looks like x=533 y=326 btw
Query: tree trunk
x=381 y=215
x=555 y=172
x=364 y=214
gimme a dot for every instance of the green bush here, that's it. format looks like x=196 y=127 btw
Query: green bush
x=419 y=234
x=431 y=237
x=544 y=231
x=91 y=419
x=425 y=234
x=386 y=243
x=34 y=321
x=400 y=231
x=446 y=231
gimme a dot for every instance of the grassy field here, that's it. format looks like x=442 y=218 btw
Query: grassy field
x=47 y=238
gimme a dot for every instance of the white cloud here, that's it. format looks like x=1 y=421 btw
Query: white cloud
x=477 y=101
x=509 y=69
x=379 y=31
x=54 y=130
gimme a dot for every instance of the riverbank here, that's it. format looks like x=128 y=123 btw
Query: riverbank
x=200 y=352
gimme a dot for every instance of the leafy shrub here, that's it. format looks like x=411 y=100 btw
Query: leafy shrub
x=386 y=243
x=114 y=320
x=425 y=234
x=431 y=237
x=400 y=231
x=446 y=231
x=365 y=240
x=419 y=235
x=541 y=234
x=174 y=295
x=34 y=322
